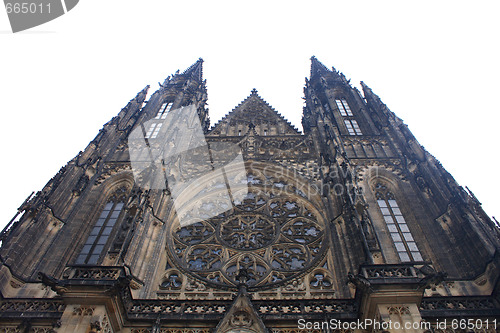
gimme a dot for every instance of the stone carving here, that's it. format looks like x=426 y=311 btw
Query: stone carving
x=398 y=310
x=248 y=232
x=15 y=284
x=279 y=227
x=320 y=280
x=83 y=311
x=111 y=169
x=457 y=303
x=93 y=273
x=103 y=326
x=296 y=285
x=173 y=280
x=32 y=306
x=303 y=308
x=81 y=185
x=31 y=330
x=241 y=318
x=389 y=271
x=42 y=330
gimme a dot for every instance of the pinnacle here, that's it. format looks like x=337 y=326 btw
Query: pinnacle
x=195 y=70
x=320 y=70
x=316 y=65
x=366 y=89
x=141 y=95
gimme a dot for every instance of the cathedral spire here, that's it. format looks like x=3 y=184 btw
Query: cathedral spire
x=320 y=70
x=195 y=71
x=367 y=91
x=275 y=223
x=317 y=67
x=376 y=104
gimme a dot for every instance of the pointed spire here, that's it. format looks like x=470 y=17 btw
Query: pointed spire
x=366 y=89
x=376 y=104
x=134 y=106
x=141 y=95
x=318 y=70
x=195 y=70
x=370 y=96
x=317 y=66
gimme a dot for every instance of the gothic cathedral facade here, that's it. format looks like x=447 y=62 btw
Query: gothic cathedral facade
x=167 y=224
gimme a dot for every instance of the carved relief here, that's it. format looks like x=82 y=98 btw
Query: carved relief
x=241 y=319
x=367 y=169
x=320 y=279
x=10 y=330
x=81 y=185
x=173 y=280
x=374 y=147
x=284 y=234
x=398 y=310
x=15 y=284
x=31 y=330
x=28 y=306
x=103 y=326
x=112 y=169
x=83 y=311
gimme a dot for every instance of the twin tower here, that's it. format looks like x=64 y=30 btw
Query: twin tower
x=164 y=223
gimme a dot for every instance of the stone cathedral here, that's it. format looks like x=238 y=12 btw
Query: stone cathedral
x=165 y=223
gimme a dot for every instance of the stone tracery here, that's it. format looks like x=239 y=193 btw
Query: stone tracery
x=273 y=233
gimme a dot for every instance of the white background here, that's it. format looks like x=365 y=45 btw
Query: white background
x=434 y=63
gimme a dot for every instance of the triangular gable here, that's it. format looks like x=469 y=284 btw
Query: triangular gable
x=241 y=317
x=253 y=112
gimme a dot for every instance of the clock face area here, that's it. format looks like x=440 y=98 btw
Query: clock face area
x=274 y=232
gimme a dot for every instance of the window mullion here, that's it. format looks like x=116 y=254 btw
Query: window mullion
x=403 y=240
x=101 y=230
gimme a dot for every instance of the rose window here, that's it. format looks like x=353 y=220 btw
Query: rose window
x=275 y=233
x=247 y=231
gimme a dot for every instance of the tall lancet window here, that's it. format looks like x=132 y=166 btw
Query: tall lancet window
x=344 y=108
x=350 y=123
x=401 y=236
x=352 y=127
x=96 y=241
x=164 y=108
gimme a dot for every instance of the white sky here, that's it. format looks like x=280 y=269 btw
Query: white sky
x=434 y=63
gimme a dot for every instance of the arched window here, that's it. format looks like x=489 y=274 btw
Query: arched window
x=99 y=235
x=344 y=108
x=350 y=123
x=401 y=236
